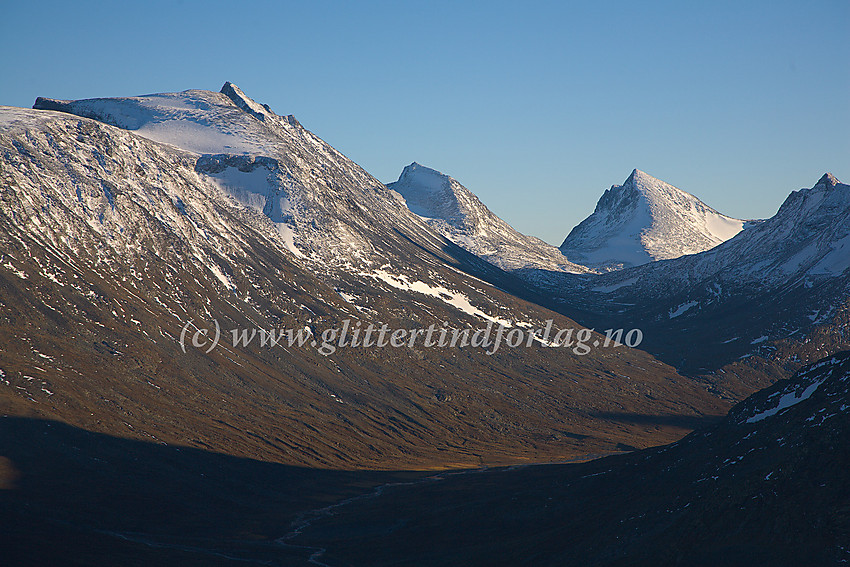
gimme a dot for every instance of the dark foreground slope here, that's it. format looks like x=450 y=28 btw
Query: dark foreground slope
x=768 y=486
x=761 y=488
x=73 y=497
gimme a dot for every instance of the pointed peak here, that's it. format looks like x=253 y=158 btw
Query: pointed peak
x=828 y=180
x=228 y=86
x=240 y=99
x=233 y=92
x=637 y=177
x=638 y=182
x=416 y=165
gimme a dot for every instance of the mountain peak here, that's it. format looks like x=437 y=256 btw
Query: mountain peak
x=419 y=178
x=201 y=121
x=243 y=101
x=417 y=167
x=645 y=183
x=456 y=213
x=637 y=176
x=828 y=180
x=646 y=219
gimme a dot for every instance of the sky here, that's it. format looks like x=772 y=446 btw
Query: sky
x=536 y=108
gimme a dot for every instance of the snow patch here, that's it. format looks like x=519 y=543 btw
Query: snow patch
x=288 y=236
x=614 y=287
x=786 y=401
x=453 y=298
x=673 y=313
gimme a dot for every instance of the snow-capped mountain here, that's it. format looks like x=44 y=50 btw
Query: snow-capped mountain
x=323 y=205
x=327 y=211
x=809 y=237
x=456 y=213
x=779 y=279
x=644 y=220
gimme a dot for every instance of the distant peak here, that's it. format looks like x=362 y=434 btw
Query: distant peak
x=416 y=165
x=828 y=180
x=418 y=179
x=417 y=168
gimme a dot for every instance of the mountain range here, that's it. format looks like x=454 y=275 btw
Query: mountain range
x=777 y=291
x=115 y=245
x=133 y=230
x=694 y=280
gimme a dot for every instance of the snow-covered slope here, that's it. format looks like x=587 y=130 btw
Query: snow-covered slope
x=456 y=213
x=328 y=212
x=199 y=121
x=644 y=220
x=324 y=206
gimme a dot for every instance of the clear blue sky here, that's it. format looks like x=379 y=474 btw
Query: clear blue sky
x=536 y=108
